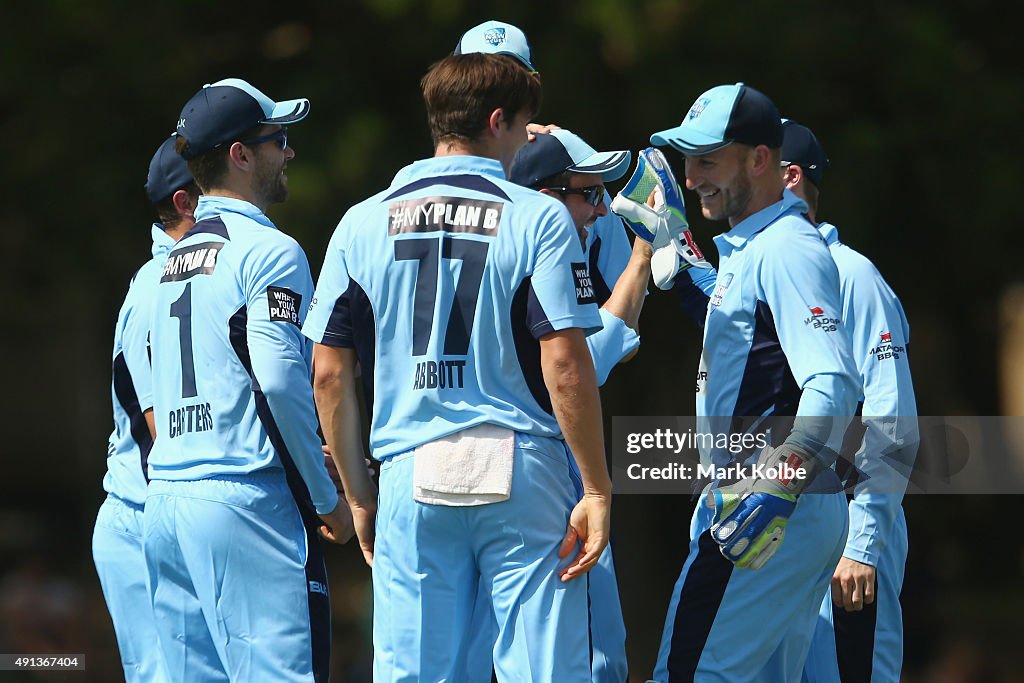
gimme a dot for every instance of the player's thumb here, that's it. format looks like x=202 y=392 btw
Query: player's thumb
x=568 y=542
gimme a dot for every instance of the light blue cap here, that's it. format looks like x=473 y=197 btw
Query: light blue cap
x=721 y=116
x=497 y=38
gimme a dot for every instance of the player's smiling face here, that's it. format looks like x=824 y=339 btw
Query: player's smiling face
x=270 y=180
x=722 y=181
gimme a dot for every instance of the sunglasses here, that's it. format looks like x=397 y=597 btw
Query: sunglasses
x=280 y=136
x=591 y=195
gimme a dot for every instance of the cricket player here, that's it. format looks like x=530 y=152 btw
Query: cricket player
x=117 y=537
x=562 y=165
x=859 y=635
x=762 y=550
x=608 y=255
x=607 y=248
x=238 y=484
x=446 y=281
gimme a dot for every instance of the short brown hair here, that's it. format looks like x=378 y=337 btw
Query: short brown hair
x=211 y=167
x=167 y=213
x=461 y=91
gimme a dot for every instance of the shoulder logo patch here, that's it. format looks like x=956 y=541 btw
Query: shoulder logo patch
x=284 y=305
x=584 y=286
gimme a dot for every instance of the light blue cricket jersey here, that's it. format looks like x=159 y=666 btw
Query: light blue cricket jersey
x=774 y=342
x=880 y=335
x=446 y=280
x=232 y=390
x=132 y=387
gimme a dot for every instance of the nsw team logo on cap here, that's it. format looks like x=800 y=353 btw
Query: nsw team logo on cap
x=698 y=108
x=495 y=36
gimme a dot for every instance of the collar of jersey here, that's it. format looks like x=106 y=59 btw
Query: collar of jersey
x=746 y=229
x=162 y=242
x=458 y=163
x=216 y=206
x=829 y=232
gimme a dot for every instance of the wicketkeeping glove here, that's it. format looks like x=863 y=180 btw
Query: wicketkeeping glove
x=675 y=257
x=751 y=516
x=667 y=219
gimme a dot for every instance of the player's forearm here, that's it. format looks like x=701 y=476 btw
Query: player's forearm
x=571 y=382
x=627 y=298
x=826 y=407
x=336 y=402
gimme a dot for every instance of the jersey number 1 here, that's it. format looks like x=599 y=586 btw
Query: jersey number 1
x=182 y=310
x=426 y=250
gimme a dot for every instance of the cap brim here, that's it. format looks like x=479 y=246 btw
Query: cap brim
x=688 y=141
x=611 y=165
x=289 y=111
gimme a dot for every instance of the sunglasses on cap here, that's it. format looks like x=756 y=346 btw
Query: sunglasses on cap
x=591 y=195
x=280 y=136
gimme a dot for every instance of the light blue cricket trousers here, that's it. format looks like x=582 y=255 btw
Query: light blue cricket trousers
x=864 y=646
x=238 y=583
x=432 y=561
x=726 y=624
x=121 y=566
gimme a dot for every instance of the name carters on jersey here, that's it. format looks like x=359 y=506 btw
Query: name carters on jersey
x=193 y=418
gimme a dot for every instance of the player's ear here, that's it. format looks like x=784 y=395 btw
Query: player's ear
x=496 y=120
x=760 y=160
x=240 y=156
x=792 y=175
x=184 y=203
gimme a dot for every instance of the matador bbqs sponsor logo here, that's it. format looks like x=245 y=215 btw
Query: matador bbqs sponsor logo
x=702 y=374
x=819 y=320
x=886 y=349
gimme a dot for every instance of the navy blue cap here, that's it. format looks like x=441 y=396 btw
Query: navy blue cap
x=223 y=111
x=801 y=147
x=721 y=116
x=561 y=150
x=168 y=172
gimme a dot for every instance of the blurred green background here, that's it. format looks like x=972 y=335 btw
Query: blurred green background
x=918 y=105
